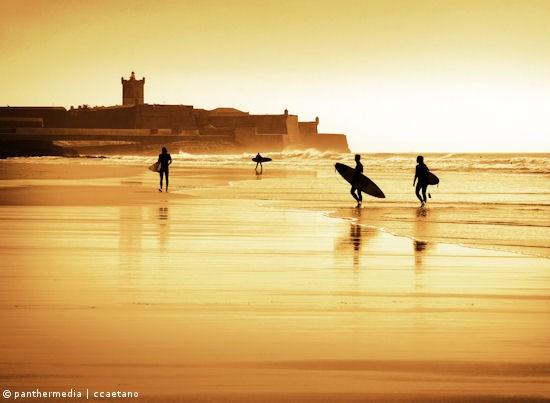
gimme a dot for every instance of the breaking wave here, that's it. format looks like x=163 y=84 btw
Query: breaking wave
x=520 y=163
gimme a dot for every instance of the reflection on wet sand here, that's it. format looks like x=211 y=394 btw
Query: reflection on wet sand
x=355 y=238
x=163 y=227
x=420 y=245
x=358 y=235
x=421 y=212
x=421 y=234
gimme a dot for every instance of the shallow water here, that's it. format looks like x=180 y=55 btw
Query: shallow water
x=502 y=210
x=504 y=203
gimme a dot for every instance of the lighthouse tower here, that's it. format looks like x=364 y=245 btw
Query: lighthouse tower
x=132 y=90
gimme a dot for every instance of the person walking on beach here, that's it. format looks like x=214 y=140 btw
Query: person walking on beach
x=258 y=159
x=355 y=191
x=421 y=174
x=164 y=161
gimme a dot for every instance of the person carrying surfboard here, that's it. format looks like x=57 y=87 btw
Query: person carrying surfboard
x=359 y=182
x=258 y=159
x=164 y=161
x=355 y=190
x=421 y=174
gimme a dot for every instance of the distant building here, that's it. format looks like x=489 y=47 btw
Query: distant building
x=135 y=119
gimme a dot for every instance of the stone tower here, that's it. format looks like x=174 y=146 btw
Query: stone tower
x=132 y=90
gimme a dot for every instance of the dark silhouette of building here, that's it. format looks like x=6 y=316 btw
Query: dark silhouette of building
x=132 y=90
x=137 y=121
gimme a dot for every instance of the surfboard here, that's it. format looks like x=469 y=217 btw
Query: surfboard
x=432 y=179
x=155 y=167
x=262 y=159
x=363 y=183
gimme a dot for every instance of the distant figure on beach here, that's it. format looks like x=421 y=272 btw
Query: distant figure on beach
x=355 y=191
x=421 y=174
x=164 y=161
x=258 y=159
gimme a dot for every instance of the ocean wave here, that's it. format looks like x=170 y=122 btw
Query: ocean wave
x=448 y=162
x=294 y=158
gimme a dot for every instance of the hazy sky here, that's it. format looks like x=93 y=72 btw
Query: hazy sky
x=393 y=75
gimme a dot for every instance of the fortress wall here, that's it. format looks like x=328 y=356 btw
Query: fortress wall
x=269 y=124
x=286 y=141
x=67 y=131
x=165 y=116
x=54 y=116
x=55 y=131
x=251 y=141
x=218 y=132
x=266 y=142
x=307 y=128
x=293 y=129
x=259 y=132
x=157 y=121
x=201 y=117
x=167 y=132
x=265 y=124
x=328 y=142
x=228 y=121
x=8 y=122
x=137 y=117
x=227 y=112
x=245 y=135
x=113 y=118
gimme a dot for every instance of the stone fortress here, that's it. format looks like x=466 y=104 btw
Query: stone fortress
x=138 y=123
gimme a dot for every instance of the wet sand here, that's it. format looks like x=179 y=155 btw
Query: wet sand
x=187 y=297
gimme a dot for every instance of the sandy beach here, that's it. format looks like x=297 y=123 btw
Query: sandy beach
x=358 y=207
x=223 y=291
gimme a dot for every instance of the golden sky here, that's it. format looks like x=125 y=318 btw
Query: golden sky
x=410 y=75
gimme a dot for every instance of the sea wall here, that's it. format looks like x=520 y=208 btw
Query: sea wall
x=307 y=128
x=13 y=122
x=328 y=142
x=178 y=117
x=293 y=129
x=249 y=140
x=62 y=131
x=32 y=148
x=79 y=131
x=52 y=116
x=263 y=132
x=119 y=117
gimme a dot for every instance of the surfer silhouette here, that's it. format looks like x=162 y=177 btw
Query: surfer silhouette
x=355 y=191
x=164 y=161
x=258 y=159
x=421 y=174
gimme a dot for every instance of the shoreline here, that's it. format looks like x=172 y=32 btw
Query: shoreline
x=494 y=248
x=106 y=183
x=241 y=297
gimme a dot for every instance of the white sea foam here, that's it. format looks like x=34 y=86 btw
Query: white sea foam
x=519 y=163
x=528 y=163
